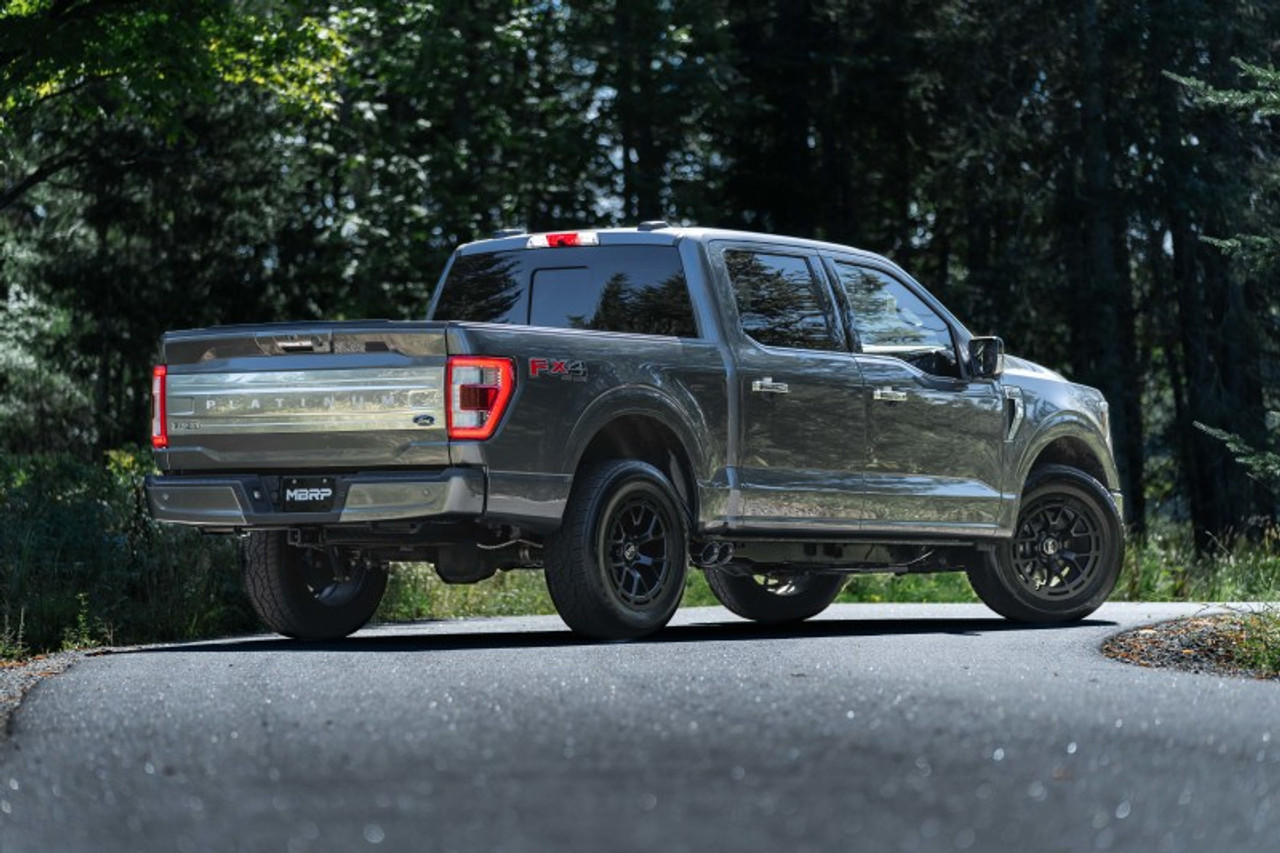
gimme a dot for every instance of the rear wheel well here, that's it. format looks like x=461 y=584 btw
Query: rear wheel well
x=1072 y=453
x=648 y=440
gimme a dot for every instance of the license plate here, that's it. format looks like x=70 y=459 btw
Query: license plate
x=308 y=494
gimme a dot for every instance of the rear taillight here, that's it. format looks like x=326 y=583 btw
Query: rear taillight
x=479 y=390
x=159 y=423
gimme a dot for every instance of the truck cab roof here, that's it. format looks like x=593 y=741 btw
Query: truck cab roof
x=651 y=234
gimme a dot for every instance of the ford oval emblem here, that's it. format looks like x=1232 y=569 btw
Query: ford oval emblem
x=424 y=420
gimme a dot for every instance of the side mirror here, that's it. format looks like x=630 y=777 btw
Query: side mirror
x=986 y=357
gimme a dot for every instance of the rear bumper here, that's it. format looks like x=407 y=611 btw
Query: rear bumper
x=251 y=500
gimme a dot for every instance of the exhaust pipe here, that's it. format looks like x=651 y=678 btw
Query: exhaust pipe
x=712 y=555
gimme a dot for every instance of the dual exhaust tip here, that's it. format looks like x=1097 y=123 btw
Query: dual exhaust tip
x=711 y=554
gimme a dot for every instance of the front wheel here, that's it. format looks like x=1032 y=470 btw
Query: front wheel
x=309 y=593
x=615 y=569
x=1065 y=555
x=775 y=599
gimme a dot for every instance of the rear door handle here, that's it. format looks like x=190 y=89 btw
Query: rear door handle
x=768 y=386
x=890 y=395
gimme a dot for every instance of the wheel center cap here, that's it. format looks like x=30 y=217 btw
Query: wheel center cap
x=1049 y=547
x=630 y=551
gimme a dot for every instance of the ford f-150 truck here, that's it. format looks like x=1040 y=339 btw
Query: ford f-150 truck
x=614 y=406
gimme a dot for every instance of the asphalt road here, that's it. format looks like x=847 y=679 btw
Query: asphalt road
x=874 y=727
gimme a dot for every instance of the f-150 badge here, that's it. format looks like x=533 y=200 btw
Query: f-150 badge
x=561 y=368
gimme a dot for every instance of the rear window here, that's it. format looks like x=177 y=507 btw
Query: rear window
x=636 y=289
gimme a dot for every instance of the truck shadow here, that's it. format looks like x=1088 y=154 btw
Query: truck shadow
x=466 y=638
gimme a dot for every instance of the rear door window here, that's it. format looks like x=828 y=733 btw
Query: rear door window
x=781 y=301
x=633 y=289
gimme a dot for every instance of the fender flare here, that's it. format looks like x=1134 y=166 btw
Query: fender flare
x=642 y=401
x=1066 y=424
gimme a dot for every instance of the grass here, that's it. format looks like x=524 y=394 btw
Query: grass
x=414 y=591
x=12 y=644
x=1164 y=566
x=1257 y=641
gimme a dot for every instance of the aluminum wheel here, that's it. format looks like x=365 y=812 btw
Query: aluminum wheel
x=636 y=551
x=1058 y=547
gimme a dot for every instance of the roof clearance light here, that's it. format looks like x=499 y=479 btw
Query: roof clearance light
x=564 y=240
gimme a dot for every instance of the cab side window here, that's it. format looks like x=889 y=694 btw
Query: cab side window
x=781 y=301
x=891 y=320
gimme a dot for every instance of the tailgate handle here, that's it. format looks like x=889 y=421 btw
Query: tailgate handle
x=297 y=343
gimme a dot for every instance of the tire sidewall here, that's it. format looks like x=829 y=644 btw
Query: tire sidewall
x=627 y=482
x=745 y=596
x=277 y=584
x=1068 y=482
x=577 y=575
x=341 y=619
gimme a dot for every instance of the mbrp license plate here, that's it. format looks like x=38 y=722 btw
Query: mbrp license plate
x=308 y=494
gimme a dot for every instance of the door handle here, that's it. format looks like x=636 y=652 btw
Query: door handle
x=768 y=386
x=890 y=395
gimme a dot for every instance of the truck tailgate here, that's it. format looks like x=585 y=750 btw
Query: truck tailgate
x=315 y=396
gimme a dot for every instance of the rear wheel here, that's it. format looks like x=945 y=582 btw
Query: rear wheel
x=615 y=569
x=1065 y=555
x=775 y=599
x=309 y=593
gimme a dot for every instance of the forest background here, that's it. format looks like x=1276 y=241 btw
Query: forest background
x=1095 y=181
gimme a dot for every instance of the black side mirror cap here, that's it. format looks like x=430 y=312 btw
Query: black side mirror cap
x=986 y=357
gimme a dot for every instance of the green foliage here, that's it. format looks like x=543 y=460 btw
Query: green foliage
x=1165 y=565
x=1257 y=645
x=82 y=563
x=147 y=53
x=415 y=591
x=1261 y=100
x=13 y=644
x=41 y=405
x=1261 y=464
x=1049 y=172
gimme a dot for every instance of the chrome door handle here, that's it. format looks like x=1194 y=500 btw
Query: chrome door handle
x=768 y=386
x=890 y=395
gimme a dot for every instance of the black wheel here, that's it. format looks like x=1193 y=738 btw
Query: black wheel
x=775 y=599
x=615 y=568
x=1065 y=554
x=309 y=593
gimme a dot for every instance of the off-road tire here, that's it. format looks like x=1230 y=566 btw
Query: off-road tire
x=1065 y=556
x=775 y=600
x=616 y=567
x=294 y=591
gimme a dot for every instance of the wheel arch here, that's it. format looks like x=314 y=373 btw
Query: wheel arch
x=1071 y=452
x=1073 y=444
x=646 y=427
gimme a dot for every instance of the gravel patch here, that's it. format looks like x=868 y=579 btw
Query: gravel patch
x=17 y=677
x=1202 y=644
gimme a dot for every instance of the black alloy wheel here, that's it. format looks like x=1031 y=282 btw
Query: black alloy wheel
x=616 y=567
x=1065 y=555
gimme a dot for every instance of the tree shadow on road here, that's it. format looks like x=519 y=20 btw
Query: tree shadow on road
x=437 y=636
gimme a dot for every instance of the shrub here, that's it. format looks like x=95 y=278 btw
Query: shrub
x=82 y=562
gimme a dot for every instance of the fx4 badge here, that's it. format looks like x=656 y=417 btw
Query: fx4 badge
x=560 y=368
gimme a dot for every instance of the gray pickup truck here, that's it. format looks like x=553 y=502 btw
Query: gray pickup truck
x=614 y=406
